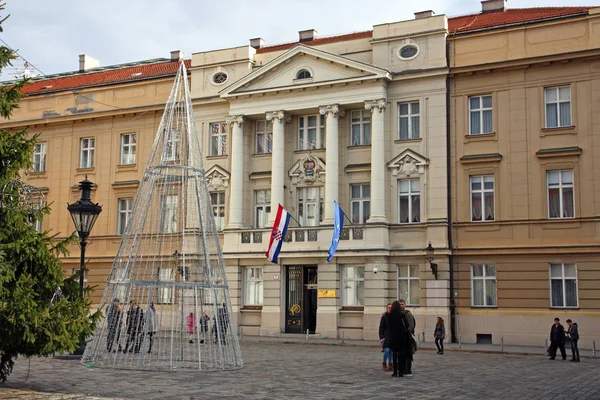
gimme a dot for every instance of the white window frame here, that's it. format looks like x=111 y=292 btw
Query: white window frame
x=166 y=295
x=361 y=201
x=561 y=187
x=485 y=278
x=128 y=148
x=264 y=137
x=172 y=145
x=263 y=207
x=558 y=102
x=563 y=278
x=87 y=147
x=410 y=194
x=304 y=204
x=218 y=136
x=170 y=215
x=357 y=280
x=481 y=110
x=303 y=129
x=218 y=208
x=481 y=193
x=409 y=278
x=253 y=286
x=39 y=157
x=125 y=212
x=364 y=119
x=410 y=116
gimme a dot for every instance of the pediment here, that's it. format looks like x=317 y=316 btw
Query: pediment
x=408 y=163
x=324 y=68
x=217 y=178
x=308 y=170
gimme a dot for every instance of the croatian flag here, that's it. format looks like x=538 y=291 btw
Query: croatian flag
x=338 y=224
x=282 y=220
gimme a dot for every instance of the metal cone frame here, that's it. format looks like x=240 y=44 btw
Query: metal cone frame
x=166 y=304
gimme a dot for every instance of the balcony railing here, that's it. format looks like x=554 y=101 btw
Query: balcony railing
x=304 y=234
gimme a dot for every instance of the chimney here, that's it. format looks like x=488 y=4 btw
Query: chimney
x=86 y=63
x=176 y=55
x=424 y=14
x=257 y=43
x=307 y=35
x=488 y=6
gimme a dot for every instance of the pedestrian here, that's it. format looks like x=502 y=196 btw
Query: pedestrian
x=114 y=318
x=191 y=327
x=412 y=324
x=385 y=341
x=439 y=334
x=557 y=339
x=152 y=325
x=135 y=324
x=221 y=323
x=573 y=333
x=399 y=337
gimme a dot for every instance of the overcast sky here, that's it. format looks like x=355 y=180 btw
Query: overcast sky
x=52 y=34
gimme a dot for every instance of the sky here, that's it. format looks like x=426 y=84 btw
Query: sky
x=52 y=34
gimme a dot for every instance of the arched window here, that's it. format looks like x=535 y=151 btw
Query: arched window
x=303 y=74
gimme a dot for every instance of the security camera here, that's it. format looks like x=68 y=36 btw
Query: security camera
x=375 y=269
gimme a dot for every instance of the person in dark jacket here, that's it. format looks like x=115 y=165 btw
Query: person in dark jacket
x=573 y=333
x=412 y=324
x=114 y=318
x=439 y=334
x=399 y=337
x=384 y=340
x=135 y=327
x=557 y=339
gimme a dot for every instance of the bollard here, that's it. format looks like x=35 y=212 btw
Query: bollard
x=459 y=342
x=307 y=335
x=342 y=337
x=594 y=348
x=423 y=336
x=502 y=343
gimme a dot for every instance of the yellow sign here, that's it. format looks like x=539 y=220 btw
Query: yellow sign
x=326 y=293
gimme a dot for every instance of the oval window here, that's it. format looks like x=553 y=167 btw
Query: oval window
x=303 y=74
x=407 y=52
x=219 y=78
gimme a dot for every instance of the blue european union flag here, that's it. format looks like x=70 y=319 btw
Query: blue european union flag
x=338 y=224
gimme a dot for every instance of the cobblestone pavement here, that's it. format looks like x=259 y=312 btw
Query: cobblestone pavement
x=284 y=370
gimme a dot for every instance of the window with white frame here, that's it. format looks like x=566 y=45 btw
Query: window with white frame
x=37 y=225
x=480 y=115
x=262 y=208
x=353 y=285
x=558 y=106
x=170 y=209
x=561 y=196
x=360 y=203
x=166 y=295
x=171 y=150
x=86 y=157
x=483 y=285
x=217 y=200
x=125 y=214
x=408 y=284
x=311 y=132
x=408 y=120
x=264 y=137
x=218 y=139
x=310 y=205
x=409 y=201
x=482 y=198
x=128 y=147
x=360 y=128
x=563 y=285
x=253 y=286
x=39 y=157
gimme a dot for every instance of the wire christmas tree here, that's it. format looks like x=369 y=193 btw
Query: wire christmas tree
x=166 y=303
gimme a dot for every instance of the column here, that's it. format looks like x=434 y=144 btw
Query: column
x=331 y=112
x=236 y=192
x=377 y=108
x=277 y=159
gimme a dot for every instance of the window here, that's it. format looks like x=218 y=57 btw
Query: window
x=409 y=199
x=128 y=145
x=483 y=285
x=408 y=284
x=482 y=198
x=171 y=150
x=558 y=106
x=125 y=214
x=218 y=139
x=37 y=225
x=86 y=159
x=303 y=74
x=563 y=285
x=169 y=214
x=166 y=294
x=408 y=120
x=480 y=115
x=219 y=78
x=262 y=207
x=361 y=128
x=561 y=198
x=264 y=137
x=360 y=203
x=75 y=271
x=408 y=52
x=353 y=286
x=309 y=206
x=217 y=200
x=253 y=287
x=311 y=135
x=39 y=157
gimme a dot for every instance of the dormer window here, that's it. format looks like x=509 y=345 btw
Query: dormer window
x=303 y=74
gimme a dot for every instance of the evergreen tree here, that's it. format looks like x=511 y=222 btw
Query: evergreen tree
x=41 y=312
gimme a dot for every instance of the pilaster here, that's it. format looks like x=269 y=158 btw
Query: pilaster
x=278 y=118
x=332 y=113
x=377 y=108
x=236 y=198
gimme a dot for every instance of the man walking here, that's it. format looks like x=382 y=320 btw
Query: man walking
x=412 y=324
x=573 y=332
x=114 y=318
x=557 y=339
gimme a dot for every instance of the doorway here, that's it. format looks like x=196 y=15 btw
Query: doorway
x=301 y=299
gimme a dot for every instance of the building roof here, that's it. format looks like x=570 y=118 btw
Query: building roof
x=317 y=41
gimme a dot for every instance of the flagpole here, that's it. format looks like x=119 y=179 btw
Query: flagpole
x=299 y=226
x=347 y=217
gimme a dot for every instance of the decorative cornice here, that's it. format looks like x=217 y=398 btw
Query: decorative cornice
x=376 y=105
x=234 y=119
x=334 y=109
x=557 y=152
x=476 y=158
x=217 y=178
x=280 y=115
x=308 y=170
x=408 y=163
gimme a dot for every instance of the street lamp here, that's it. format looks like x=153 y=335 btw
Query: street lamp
x=430 y=250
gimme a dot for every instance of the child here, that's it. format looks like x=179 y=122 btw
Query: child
x=191 y=326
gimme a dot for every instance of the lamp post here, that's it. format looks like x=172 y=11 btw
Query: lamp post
x=430 y=250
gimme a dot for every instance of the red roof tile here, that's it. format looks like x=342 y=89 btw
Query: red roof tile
x=318 y=41
x=104 y=77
